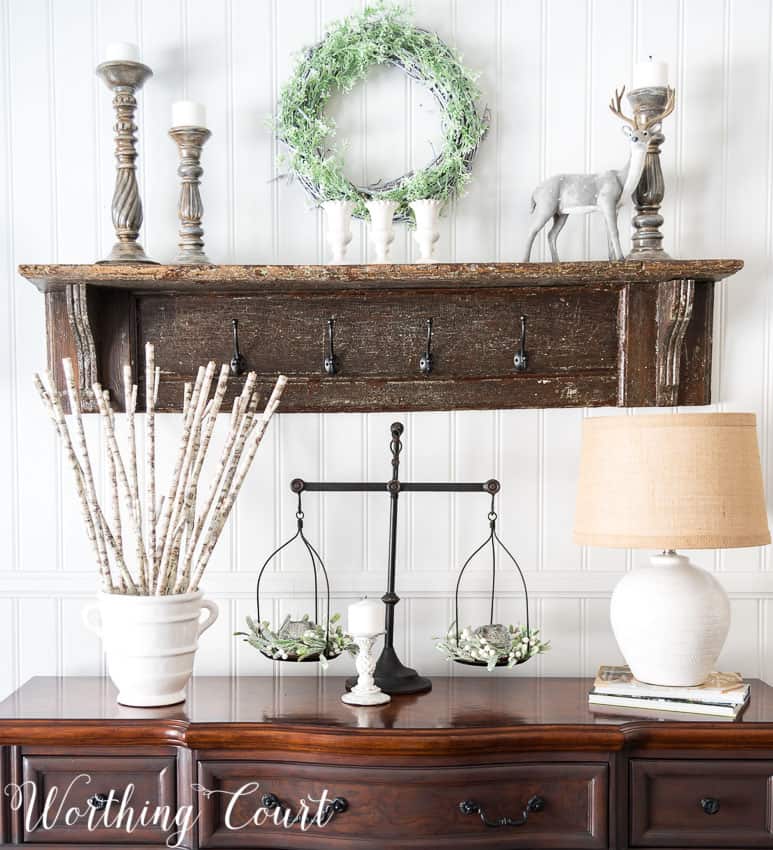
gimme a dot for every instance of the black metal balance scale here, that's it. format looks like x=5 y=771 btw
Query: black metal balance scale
x=392 y=676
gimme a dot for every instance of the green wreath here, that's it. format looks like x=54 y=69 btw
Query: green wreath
x=378 y=35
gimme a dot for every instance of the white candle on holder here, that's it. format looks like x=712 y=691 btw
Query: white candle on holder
x=366 y=617
x=122 y=51
x=188 y=113
x=650 y=74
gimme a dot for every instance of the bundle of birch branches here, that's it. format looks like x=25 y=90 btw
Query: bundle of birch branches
x=171 y=539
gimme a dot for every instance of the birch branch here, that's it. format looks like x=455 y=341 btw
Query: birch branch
x=116 y=506
x=151 y=389
x=187 y=392
x=64 y=435
x=165 y=509
x=188 y=508
x=256 y=437
x=123 y=482
x=130 y=396
x=169 y=516
x=239 y=403
x=73 y=394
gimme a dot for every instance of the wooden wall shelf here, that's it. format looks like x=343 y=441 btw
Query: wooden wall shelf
x=598 y=333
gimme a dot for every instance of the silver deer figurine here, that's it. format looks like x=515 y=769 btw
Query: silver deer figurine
x=563 y=194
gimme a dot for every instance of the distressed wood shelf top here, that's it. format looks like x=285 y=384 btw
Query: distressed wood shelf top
x=597 y=333
x=262 y=278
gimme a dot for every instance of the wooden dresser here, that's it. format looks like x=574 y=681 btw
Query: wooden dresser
x=423 y=772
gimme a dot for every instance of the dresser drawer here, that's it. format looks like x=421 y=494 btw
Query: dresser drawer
x=68 y=783
x=701 y=803
x=404 y=807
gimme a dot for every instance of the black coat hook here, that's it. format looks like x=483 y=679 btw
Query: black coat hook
x=521 y=358
x=238 y=363
x=425 y=362
x=331 y=361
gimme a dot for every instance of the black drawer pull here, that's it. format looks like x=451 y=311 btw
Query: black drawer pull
x=333 y=807
x=470 y=807
x=98 y=802
x=710 y=805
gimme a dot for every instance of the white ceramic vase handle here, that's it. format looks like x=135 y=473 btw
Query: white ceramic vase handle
x=92 y=624
x=213 y=610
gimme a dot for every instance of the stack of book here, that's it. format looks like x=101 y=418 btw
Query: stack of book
x=721 y=695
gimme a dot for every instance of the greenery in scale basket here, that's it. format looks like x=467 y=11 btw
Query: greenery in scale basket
x=492 y=645
x=299 y=640
x=379 y=35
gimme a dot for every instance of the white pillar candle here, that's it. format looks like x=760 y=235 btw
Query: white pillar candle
x=122 y=51
x=188 y=113
x=650 y=74
x=366 y=617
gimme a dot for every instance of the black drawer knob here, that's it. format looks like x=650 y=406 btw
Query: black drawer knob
x=534 y=804
x=710 y=805
x=270 y=801
x=98 y=802
x=335 y=806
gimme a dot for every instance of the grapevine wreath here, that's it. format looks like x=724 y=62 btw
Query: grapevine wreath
x=379 y=35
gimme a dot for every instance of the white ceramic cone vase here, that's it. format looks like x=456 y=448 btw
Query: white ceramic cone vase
x=382 y=233
x=338 y=228
x=426 y=234
x=670 y=620
x=150 y=642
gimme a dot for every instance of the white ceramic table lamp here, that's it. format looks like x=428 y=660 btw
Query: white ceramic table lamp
x=668 y=482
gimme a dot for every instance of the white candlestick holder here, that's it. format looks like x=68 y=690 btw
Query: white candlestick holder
x=338 y=228
x=426 y=213
x=366 y=691
x=381 y=231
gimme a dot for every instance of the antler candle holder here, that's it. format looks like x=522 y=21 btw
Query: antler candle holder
x=124 y=77
x=190 y=209
x=650 y=106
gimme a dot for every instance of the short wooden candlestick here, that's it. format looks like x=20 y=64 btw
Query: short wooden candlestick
x=124 y=78
x=366 y=691
x=190 y=209
x=647 y=240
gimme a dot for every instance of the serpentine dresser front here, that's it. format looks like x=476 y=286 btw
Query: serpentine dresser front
x=480 y=762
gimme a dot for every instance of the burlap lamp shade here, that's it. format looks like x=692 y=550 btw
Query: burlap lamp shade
x=685 y=481
x=667 y=482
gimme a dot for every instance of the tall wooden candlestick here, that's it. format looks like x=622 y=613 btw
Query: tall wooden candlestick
x=647 y=240
x=124 y=78
x=190 y=209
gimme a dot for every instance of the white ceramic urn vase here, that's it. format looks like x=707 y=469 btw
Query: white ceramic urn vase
x=382 y=233
x=426 y=212
x=150 y=642
x=338 y=220
x=670 y=620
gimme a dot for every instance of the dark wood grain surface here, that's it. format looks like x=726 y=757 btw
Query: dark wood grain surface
x=454 y=703
x=473 y=715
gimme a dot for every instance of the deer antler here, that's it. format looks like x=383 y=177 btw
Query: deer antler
x=666 y=111
x=616 y=108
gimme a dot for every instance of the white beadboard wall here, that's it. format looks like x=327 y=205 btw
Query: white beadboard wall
x=547 y=68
